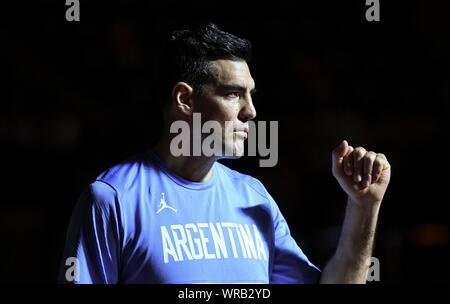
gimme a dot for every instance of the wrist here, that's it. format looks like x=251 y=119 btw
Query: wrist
x=363 y=205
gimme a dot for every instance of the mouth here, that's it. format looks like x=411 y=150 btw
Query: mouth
x=242 y=133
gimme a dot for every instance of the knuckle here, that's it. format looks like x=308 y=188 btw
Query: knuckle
x=350 y=152
x=381 y=155
x=371 y=156
x=359 y=153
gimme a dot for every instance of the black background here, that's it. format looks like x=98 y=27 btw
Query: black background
x=76 y=99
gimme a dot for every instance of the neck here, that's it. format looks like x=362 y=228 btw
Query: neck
x=193 y=168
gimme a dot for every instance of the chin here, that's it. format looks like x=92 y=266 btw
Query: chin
x=238 y=152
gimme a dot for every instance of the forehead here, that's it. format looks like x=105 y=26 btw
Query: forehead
x=227 y=72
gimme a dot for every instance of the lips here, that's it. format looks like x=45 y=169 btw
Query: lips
x=243 y=133
x=243 y=129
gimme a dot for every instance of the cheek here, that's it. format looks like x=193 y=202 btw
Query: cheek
x=221 y=115
x=230 y=112
x=218 y=110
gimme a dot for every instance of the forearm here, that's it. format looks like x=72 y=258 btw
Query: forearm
x=350 y=264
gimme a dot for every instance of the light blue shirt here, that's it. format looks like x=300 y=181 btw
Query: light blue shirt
x=140 y=223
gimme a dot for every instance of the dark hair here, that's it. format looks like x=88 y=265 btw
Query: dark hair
x=188 y=54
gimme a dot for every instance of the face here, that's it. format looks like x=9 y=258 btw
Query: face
x=228 y=98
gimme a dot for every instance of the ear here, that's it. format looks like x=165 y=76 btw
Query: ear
x=182 y=98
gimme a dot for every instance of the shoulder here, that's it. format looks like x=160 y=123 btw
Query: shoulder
x=128 y=174
x=116 y=185
x=97 y=199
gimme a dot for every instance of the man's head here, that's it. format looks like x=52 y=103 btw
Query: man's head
x=188 y=55
x=206 y=72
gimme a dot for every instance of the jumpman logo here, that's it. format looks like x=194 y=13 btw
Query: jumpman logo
x=163 y=205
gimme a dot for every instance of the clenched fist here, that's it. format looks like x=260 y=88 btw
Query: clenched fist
x=363 y=175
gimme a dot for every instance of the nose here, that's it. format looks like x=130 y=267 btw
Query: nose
x=248 y=111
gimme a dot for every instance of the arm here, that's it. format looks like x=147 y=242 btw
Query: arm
x=93 y=238
x=364 y=176
x=350 y=262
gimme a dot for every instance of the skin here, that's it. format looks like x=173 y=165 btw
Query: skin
x=363 y=175
x=225 y=98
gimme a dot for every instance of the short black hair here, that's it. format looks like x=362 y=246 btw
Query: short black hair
x=189 y=52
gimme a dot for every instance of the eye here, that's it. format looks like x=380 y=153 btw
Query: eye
x=232 y=95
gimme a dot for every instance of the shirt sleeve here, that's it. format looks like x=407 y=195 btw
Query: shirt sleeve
x=290 y=265
x=92 y=250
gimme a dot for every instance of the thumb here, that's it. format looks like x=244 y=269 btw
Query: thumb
x=338 y=154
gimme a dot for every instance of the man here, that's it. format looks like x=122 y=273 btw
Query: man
x=165 y=218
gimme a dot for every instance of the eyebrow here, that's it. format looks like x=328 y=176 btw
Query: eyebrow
x=235 y=87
